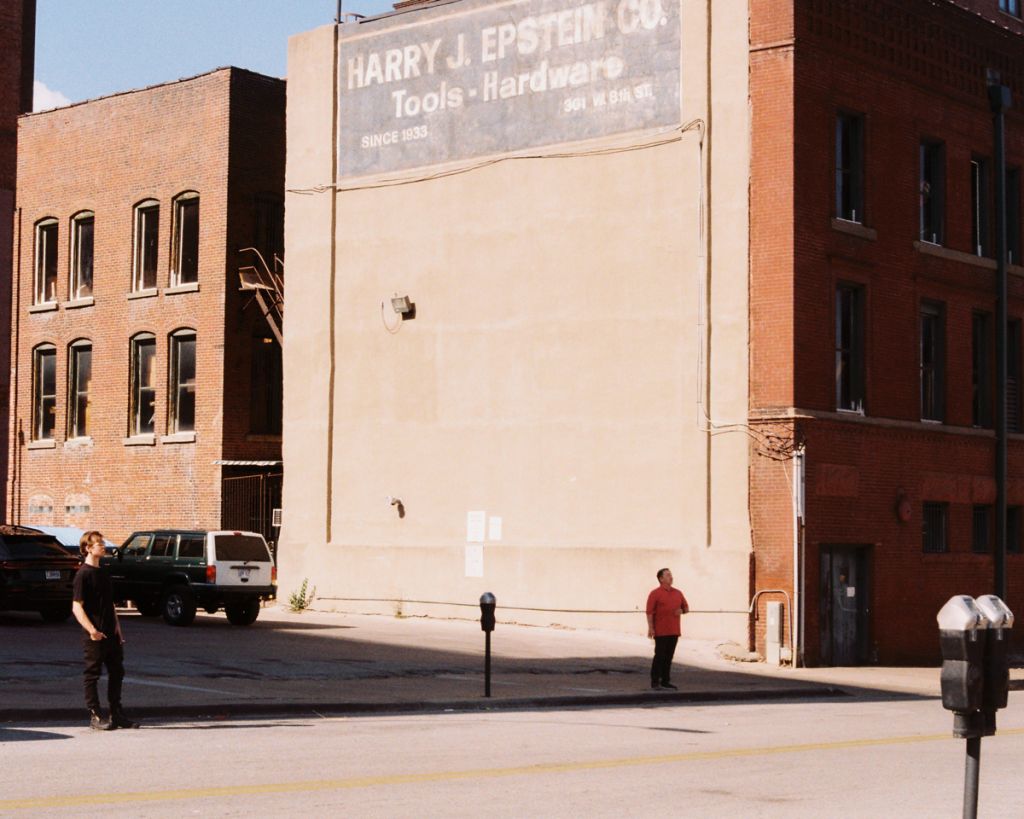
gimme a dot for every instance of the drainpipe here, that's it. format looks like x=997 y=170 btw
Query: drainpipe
x=798 y=519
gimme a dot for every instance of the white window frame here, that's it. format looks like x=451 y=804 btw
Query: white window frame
x=141 y=210
x=181 y=201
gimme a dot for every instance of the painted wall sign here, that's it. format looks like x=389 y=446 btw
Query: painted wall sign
x=491 y=78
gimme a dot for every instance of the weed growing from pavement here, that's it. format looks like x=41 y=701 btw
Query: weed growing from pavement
x=300 y=600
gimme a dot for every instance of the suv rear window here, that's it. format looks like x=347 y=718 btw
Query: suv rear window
x=241 y=547
x=16 y=546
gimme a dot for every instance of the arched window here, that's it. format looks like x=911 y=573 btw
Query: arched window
x=146 y=245
x=142 y=419
x=45 y=280
x=80 y=284
x=79 y=382
x=44 y=392
x=185 y=264
x=182 y=417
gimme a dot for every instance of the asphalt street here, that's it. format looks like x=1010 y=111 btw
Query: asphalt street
x=848 y=757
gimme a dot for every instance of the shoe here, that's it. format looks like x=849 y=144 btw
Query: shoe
x=98 y=722
x=670 y=686
x=119 y=719
x=655 y=686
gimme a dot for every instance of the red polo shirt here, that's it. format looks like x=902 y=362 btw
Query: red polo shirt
x=662 y=603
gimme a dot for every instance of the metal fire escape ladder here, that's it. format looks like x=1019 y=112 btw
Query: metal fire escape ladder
x=267 y=288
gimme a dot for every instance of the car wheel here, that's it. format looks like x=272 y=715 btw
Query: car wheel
x=56 y=614
x=244 y=613
x=179 y=607
x=148 y=608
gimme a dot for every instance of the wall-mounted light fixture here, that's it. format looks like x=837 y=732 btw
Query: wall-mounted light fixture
x=404 y=308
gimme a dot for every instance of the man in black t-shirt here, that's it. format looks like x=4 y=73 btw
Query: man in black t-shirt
x=93 y=607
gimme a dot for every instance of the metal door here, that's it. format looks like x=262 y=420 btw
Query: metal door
x=844 y=604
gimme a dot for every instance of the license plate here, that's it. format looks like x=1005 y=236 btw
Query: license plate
x=53 y=574
x=243 y=574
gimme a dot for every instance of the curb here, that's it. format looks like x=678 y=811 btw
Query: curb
x=224 y=710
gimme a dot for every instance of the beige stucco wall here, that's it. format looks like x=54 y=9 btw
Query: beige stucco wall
x=555 y=375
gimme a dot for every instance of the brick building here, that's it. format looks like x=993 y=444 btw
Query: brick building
x=146 y=386
x=17 y=57
x=872 y=313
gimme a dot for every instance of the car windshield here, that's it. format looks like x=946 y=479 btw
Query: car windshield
x=22 y=546
x=241 y=547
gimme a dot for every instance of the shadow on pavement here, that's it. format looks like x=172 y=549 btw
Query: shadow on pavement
x=28 y=735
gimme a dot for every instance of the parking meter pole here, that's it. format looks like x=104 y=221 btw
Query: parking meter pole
x=487 y=605
x=972 y=770
x=487 y=665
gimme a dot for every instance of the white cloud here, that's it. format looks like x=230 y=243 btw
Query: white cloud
x=43 y=99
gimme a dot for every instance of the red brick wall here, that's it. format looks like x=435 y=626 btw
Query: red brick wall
x=106 y=156
x=913 y=69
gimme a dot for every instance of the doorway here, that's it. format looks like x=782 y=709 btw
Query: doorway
x=845 y=597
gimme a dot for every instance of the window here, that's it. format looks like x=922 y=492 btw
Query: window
x=186 y=239
x=980 y=208
x=849 y=360
x=1013 y=375
x=933 y=184
x=44 y=392
x=265 y=396
x=1013 y=530
x=981 y=370
x=934 y=527
x=268 y=234
x=163 y=546
x=183 y=382
x=1013 y=217
x=46 y=262
x=79 y=381
x=981 y=530
x=147 y=237
x=81 y=256
x=932 y=362
x=143 y=409
x=850 y=167
x=1010 y=7
x=191 y=546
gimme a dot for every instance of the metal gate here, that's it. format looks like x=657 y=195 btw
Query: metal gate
x=247 y=504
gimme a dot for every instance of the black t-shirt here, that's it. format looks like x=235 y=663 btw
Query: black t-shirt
x=95 y=592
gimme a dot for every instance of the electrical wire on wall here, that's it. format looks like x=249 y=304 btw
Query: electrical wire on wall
x=666 y=137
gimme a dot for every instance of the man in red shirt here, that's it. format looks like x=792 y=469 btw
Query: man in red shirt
x=665 y=605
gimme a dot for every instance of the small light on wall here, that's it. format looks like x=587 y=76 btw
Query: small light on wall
x=401 y=305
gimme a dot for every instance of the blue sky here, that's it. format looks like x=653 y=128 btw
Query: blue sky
x=90 y=48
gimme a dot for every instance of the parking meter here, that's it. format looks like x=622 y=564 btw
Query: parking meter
x=962 y=628
x=487 y=604
x=995 y=666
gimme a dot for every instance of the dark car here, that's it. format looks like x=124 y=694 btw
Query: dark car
x=172 y=572
x=36 y=573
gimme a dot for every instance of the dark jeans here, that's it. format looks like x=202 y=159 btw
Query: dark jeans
x=661 y=667
x=99 y=653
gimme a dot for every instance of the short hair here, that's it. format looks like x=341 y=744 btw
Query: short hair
x=89 y=537
x=662 y=572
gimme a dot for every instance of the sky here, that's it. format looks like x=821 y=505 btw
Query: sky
x=91 y=48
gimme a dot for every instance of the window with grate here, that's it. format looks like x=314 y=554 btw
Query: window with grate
x=981 y=530
x=934 y=520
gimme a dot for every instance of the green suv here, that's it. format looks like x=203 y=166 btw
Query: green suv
x=172 y=572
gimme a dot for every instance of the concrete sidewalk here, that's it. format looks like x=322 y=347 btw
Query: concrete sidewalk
x=335 y=663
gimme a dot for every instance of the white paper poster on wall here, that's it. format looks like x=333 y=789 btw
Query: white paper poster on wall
x=494 y=528
x=476 y=526
x=474 y=560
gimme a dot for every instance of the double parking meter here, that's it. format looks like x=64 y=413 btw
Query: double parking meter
x=974 y=638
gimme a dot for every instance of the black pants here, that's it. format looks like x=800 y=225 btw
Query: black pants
x=99 y=653
x=661 y=667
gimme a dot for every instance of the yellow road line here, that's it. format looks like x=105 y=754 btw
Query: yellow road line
x=82 y=800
